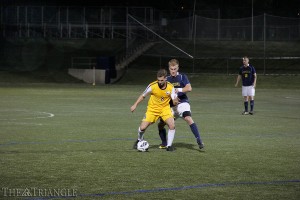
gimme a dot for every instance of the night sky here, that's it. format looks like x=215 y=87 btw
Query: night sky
x=228 y=8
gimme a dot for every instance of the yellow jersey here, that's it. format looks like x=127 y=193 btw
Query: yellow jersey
x=160 y=98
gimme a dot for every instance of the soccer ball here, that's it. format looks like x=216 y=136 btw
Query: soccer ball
x=142 y=145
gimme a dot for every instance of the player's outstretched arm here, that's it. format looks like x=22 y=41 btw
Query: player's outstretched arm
x=139 y=100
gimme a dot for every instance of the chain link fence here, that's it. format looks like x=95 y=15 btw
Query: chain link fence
x=188 y=32
x=111 y=22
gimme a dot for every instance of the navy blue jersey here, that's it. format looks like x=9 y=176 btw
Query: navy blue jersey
x=180 y=81
x=247 y=74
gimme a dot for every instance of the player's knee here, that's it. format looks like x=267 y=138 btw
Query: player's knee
x=171 y=126
x=189 y=120
x=186 y=114
x=142 y=129
x=144 y=126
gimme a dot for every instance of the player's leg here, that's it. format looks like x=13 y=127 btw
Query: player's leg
x=246 y=102
x=168 y=118
x=162 y=134
x=142 y=128
x=245 y=95
x=171 y=133
x=162 y=131
x=251 y=96
x=251 y=105
x=194 y=129
x=150 y=118
x=185 y=112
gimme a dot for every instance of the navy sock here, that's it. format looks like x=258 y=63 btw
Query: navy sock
x=163 y=136
x=246 y=106
x=196 y=133
x=251 y=105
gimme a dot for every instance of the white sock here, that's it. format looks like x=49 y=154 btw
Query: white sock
x=140 y=134
x=171 y=134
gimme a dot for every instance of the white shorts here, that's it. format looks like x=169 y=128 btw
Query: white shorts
x=248 y=91
x=180 y=109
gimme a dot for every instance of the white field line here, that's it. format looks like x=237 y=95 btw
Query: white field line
x=44 y=115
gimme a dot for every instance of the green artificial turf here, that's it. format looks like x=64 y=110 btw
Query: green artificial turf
x=79 y=137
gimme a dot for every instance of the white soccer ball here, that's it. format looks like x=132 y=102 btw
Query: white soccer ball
x=142 y=145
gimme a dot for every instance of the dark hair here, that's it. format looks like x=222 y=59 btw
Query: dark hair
x=162 y=73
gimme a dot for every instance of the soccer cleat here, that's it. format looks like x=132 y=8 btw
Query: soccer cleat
x=162 y=146
x=135 y=144
x=201 y=145
x=251 y=113
x=245 y=113
x=170 y=148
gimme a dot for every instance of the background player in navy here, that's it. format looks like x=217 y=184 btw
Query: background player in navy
x=182 y=86
x=248 y=75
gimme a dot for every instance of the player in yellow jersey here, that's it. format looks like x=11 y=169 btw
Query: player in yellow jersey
x=161 y=93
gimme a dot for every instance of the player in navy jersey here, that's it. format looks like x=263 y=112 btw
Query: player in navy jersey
x=248 y=75
x=183 y=110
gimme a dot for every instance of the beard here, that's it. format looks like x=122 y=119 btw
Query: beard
x=161 y=85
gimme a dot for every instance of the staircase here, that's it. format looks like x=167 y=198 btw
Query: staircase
x=89 y=75
x=132 y=54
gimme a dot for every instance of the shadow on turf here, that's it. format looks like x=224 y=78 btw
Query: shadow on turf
x=179 y=145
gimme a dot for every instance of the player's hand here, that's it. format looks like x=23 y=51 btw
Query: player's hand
x=176 y=101
x=132 y=108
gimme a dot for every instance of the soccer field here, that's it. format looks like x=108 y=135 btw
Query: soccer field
x=60 y=140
